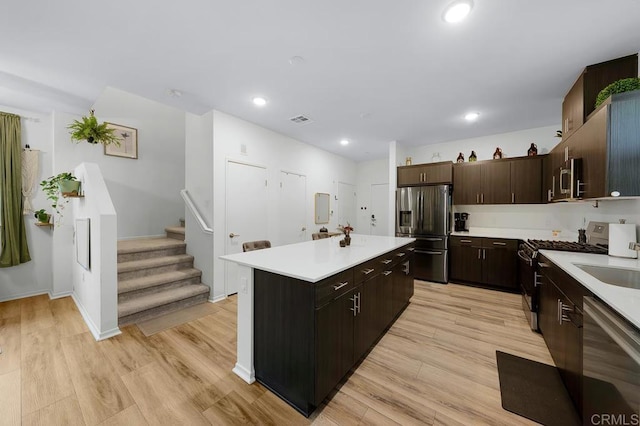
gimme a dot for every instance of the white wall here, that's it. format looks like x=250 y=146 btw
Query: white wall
x=199 y=183
x=513 y=144
x=368 y=173
x=276 y=152
x=95 y=290
x=33 y=277
x=146 y=191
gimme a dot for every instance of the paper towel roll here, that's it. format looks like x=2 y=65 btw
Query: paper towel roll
x=620 y=235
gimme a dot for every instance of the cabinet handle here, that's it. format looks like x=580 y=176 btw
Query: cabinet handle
x=386 y=261
x=465 y=241
x=385 y=273
x=549 y=195
x=411 y=249
x=479 y=253
x=358 y=302
x=543 y=265
x=367 y=271
x=513 y=198
x=406 y=268
x=400 y=254
x=339 y=286
x=578 y=191
x=477 y=198
x=536 y=277
x=496 y=243
x=558 y=311
x=482 y=198
x=484 y=254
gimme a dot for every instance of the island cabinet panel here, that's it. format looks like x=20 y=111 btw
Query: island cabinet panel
x=309 y=335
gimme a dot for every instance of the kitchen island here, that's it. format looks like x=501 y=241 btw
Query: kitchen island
x=308 y=312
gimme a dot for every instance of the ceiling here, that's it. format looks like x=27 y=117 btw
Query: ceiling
x=373 y=71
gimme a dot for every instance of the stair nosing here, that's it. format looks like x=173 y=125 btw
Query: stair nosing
x=172 y=243
x=156 y=300
x=157 y=279
x=153 y=262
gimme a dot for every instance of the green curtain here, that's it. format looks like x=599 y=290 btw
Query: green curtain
x=13 y=235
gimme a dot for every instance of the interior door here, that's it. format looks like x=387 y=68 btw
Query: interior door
x=293 y=196
x=346 y=204
x=379 y=214
x=246 y=212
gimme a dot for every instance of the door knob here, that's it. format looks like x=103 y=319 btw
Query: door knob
x=231 y=235
x=304 y=228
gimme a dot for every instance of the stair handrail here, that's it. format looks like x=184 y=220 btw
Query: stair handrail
x=194 y=210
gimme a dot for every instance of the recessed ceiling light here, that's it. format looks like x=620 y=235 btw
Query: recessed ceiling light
x=472 y=116
x=457 y=11
x=258 y=101
x=344 y=142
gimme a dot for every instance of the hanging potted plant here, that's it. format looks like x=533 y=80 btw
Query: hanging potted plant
x=91 y=131
x=64 y=184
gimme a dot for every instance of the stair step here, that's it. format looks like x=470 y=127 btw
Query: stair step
x=145 y=248
x=153 y=266
x=149 y=306
x=175 y=232
x=149 y=284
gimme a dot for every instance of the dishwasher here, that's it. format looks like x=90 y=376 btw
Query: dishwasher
x=611 y=367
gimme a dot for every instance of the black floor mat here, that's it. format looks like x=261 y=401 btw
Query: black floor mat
x=535 y=391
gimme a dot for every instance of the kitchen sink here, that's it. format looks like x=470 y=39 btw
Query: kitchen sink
x=615 y=276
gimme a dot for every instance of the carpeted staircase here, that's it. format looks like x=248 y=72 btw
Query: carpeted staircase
x=156 y=276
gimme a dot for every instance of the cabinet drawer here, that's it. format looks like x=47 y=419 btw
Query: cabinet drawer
x=500 y=243
x=465 y=241
x=333 y=287
x=367 y=270
x=403 y=253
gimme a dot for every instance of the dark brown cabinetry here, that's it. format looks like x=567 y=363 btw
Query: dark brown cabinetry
x=608 y=147
x=425 y=174
x=507 y=181
x=308 y=336
x=580 y=100
x=485 y=261
x=560 y=322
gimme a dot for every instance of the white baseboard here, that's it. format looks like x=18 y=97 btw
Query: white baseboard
x=217 y=299
x=244 y=374
x=25 y=295
x=97 y=334
x=60 y=295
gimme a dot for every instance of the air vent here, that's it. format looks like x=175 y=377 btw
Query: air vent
x=300 y=119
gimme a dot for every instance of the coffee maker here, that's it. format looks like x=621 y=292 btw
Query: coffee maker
x=460 y=222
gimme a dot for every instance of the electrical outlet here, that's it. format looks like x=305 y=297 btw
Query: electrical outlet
x=244 y=286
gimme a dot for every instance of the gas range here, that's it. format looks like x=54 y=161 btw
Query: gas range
x=567 y=246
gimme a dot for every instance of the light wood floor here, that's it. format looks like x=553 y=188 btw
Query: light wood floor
x=435 y=365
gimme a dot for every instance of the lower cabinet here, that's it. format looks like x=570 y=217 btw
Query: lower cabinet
x=560 y=322
x=486 y=261
x=308 y=336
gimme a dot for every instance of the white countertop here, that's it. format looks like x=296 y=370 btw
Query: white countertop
x=518 y=234
x=315 y=260
x=625 y=301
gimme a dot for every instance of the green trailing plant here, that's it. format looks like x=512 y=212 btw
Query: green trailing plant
x=88 y=129
x=51 y=188
x=620 y=86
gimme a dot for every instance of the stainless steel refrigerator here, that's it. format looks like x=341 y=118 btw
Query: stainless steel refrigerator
x=424 y=212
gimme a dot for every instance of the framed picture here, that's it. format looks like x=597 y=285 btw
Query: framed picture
x=128 y=137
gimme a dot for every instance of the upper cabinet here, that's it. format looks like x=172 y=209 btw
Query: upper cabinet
x=580 y=100
x=425 y=174
x=507 y=181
